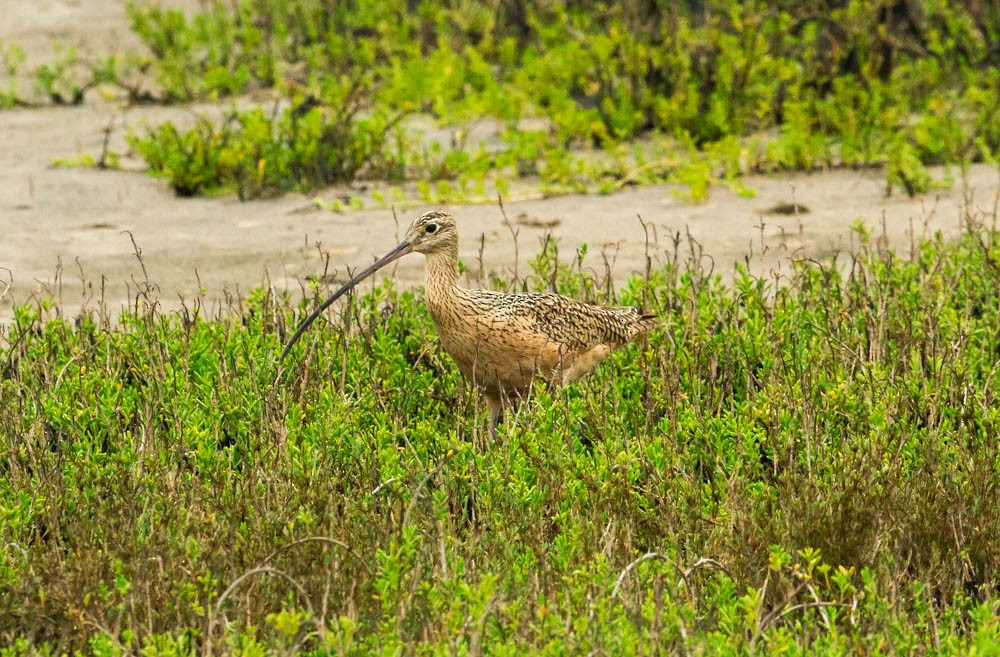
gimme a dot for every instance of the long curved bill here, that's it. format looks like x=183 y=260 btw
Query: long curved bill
x=395 y=254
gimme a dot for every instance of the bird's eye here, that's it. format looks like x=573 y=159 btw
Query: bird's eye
x=431 y=229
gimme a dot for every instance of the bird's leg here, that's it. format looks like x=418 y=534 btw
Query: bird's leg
x=496 y=414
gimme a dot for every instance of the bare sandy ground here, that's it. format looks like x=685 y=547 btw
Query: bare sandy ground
x=60 y=227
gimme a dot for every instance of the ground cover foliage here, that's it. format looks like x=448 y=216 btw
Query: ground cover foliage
x=800 y=466
x=721 y=88
x=587 y=95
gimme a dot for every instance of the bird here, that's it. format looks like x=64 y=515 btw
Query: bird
x=502 y=343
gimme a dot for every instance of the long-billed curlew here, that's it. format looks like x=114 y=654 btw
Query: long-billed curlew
x=502 y=342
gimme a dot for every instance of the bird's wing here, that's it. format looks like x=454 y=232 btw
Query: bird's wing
x=574 y=324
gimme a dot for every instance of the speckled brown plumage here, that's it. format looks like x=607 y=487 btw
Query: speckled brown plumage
x=503 y=342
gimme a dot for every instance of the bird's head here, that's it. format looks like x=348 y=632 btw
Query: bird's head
x=432 y=232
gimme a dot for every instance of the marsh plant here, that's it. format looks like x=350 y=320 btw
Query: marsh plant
x=726 y=87
x=804 y=465
x=581 y=96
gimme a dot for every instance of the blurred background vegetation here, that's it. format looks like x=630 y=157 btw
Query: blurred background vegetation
x=585 y=96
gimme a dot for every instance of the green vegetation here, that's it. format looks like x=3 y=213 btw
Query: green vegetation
x=810 y=468
x=804 y=466
x=721 y=88
x=586 y=96
x=69 y=77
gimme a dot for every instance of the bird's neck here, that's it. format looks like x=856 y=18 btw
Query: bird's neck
x=442 y=273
